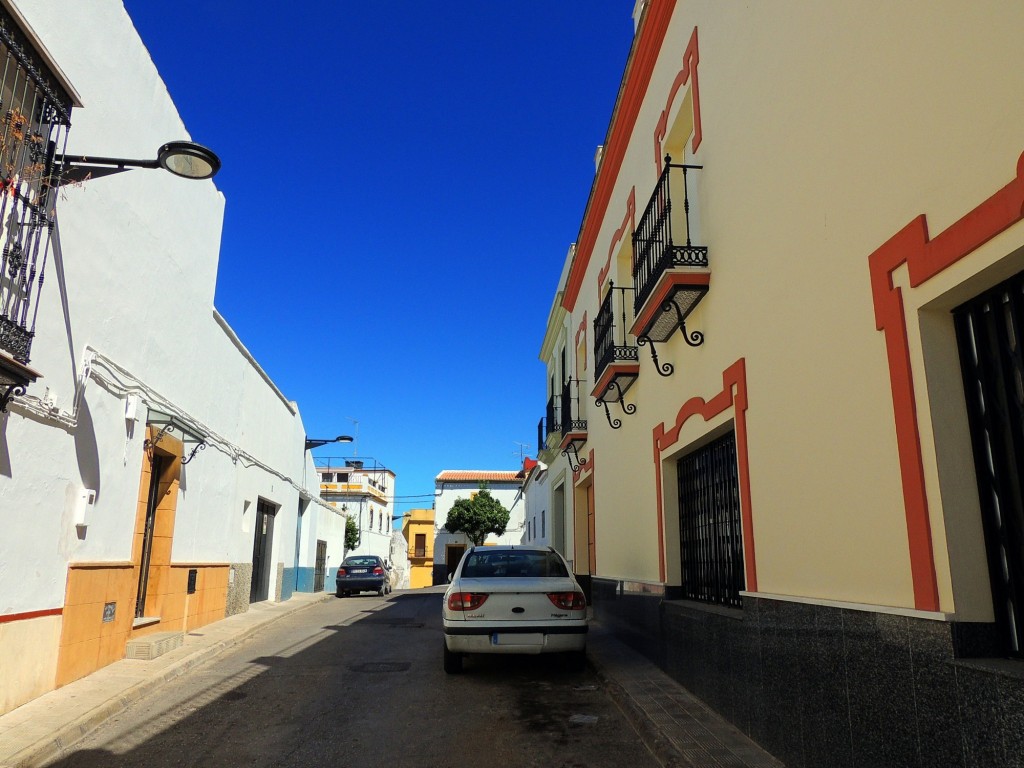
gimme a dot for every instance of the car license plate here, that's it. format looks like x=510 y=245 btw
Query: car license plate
x=359 y=570
x=503 y=638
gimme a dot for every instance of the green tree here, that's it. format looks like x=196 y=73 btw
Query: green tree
x=477 y=517
x=351 y=534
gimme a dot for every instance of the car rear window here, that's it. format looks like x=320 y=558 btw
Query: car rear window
x=361 y=561
x=511 y=564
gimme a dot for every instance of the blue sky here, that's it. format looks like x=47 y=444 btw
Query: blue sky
x=403 y=180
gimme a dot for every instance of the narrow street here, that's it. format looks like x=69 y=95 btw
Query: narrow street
x=358 y=682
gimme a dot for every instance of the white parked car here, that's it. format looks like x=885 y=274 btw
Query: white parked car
x=513 y=599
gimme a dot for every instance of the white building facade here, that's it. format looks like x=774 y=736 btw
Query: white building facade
x=364 y=490
x=151 y=474
x=454 y=484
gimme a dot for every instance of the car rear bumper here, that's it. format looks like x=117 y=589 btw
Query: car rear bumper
x=360 y=584
x=498 y=639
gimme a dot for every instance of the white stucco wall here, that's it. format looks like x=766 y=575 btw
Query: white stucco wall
x=131 y=289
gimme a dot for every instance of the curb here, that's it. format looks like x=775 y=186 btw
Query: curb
x=656 y=742
x=66 y=737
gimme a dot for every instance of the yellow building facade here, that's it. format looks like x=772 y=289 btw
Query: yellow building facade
x=418 y=529
x=784 y=422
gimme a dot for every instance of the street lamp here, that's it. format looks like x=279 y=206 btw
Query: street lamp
x=182 y=158
x=315 y=443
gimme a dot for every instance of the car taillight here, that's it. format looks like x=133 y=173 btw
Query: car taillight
x=341 y=571
x=568 y=601
x=465 y=601
x=378 y=571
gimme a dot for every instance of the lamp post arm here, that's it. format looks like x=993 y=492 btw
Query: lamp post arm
x=115 y=162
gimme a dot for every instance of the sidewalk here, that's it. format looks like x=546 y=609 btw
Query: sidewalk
x=677 y=727
x=39 y=731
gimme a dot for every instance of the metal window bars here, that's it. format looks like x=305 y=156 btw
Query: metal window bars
x=711 y=539
x=34 y=121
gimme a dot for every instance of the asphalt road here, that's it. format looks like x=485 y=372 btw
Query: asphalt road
x=358 y=682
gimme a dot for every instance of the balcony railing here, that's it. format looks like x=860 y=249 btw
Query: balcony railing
x=662 y=238
x=570 y=405
x=552 y=416
x=35 y=114
x=612 y=342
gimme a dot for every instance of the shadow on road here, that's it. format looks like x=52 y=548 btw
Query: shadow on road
x=333 y=692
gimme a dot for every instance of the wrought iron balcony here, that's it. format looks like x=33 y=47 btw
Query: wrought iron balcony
x=574 y=430
x=552 y=416
x=35 y=114
x=617 y=358
x=670 y=273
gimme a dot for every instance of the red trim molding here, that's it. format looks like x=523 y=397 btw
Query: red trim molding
x=581 y=331
x=628 y=224
x=690 y=60
x=612 y=372
x=733 y=395
x=11 y=617
x=585 y=470
x=926 y=257
x=634 y=87
x=667 y=283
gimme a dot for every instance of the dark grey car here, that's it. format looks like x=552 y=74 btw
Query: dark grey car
x=362 y=573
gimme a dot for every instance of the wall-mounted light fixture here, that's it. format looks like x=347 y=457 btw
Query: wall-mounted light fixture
x=316 y=443
x=182 y=158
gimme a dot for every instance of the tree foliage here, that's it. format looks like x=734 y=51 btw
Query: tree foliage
x=477 y=517
x=351 y=534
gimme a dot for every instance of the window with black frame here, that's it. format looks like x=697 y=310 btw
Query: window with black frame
x=710 y=528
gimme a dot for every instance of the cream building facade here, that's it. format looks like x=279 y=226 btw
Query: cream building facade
x=784 y=429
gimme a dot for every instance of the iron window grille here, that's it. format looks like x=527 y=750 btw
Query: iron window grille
x=710 y=526
x=657 y=244
x=990 y=334
x=35 y=115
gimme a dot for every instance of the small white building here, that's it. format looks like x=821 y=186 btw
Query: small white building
x=538 y=530
x=364 y=490
x=454 y=484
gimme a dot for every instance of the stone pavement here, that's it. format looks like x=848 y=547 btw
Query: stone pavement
x=676 y=726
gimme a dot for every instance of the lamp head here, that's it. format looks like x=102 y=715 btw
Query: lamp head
x=188 y=160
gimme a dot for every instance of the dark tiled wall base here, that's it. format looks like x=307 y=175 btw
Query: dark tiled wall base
x=831 y=687
x=635 y=618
